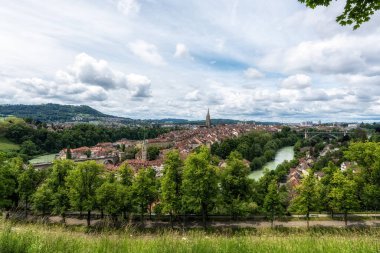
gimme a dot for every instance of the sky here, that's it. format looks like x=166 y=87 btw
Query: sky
x=147 y=59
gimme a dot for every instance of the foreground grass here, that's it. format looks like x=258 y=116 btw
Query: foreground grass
x=19 y=238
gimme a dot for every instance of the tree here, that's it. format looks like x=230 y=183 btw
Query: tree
x=200 y=183
x=308 y=198
x=153 y=152
x=367 y=156
x=29 y=148
x=235 y=184
x=68 y=153
x=9 y=172
x=126 y=175
x=57 y=182
x=42 y=198
x=326 y=186
x=144 y=190
x=110 y=196
x=27 y=184
x=82 y=183
x=171 y=184
x=356 y=12
x=272 y=202
x=343 y=196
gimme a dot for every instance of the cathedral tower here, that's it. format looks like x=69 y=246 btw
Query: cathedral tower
x=208 y=119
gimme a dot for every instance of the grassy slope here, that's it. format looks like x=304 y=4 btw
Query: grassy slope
x=37 y=238
x=6 y=145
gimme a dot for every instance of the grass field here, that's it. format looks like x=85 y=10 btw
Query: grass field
x=43 y=158
x=6 y=145
x=39 y=238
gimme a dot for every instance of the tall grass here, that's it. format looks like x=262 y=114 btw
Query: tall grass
x=37 y=238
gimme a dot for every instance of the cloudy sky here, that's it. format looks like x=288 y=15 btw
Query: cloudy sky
x=243 y=59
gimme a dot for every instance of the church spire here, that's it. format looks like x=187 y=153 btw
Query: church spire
x=208 y=119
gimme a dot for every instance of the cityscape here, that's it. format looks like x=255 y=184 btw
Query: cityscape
x=189 y=126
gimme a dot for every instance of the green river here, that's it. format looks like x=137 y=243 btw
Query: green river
x=286 y=153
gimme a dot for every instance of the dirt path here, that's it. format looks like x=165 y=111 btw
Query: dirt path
x=241 y=224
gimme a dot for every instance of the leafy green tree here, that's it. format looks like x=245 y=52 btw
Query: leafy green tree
x=200 y=183
x=68 y=153
x=82 y=183
x=27 y=185
x=367 y=155
x=110 y=196
x=356 y=12
x=256 y=163
x=153 y=152
x=308 y=197
x=57 y=182
x=29 y=148
x=171 y=185
x=343 y=196
x=9 y=172
x=326 y=186
x=126 y=174
x=144 y=190
x=235 y=184
x=42 y=198
x=272 y=202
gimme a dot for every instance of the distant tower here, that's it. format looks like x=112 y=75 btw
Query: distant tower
x=208 y=119
x=144 y=151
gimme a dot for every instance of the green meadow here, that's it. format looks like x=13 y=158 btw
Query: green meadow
x=29 y=238
x=6 y=145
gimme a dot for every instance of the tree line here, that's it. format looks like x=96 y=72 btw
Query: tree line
x=193 y=186
x=256 y=147
x=37 y=139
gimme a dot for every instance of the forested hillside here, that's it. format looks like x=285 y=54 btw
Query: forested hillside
x=57 y=113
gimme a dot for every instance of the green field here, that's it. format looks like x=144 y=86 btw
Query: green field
x=39 y=238
x=43 y=159
x=6 y=145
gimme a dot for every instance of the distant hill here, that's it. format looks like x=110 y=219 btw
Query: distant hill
x=83 y=113
x=59 y=113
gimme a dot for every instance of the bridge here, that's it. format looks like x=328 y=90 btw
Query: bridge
x=333 y=134
x=102 y=160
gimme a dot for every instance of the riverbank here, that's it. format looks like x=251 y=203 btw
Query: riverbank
x=18 y=238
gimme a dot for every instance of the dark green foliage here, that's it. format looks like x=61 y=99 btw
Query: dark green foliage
x=272 y=202
x=356 y=12
x=200 y=184
x=9 y=173
x=236 y=187
x=144 y=190
x=256 y=147
x=82 y=183
x=171 y=182
x=51 y=112
x=308 y=197
x=152 y=153
x=40 y=140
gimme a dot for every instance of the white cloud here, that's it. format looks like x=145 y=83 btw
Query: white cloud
x=128 y=7
x=253 y=73
x=339 y=54
x=234 y=35
x=181 y=51
x=147 y=52
x=298 y=81
x=140 y=85
x=87 y=69
x=193 y=96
